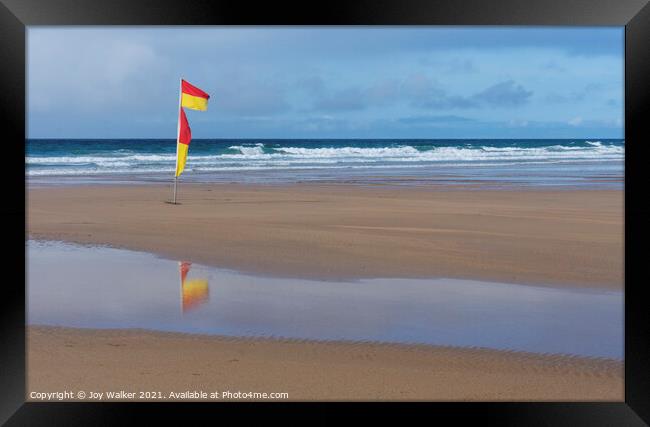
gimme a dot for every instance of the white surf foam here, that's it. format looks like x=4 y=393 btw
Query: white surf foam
x=259 y=156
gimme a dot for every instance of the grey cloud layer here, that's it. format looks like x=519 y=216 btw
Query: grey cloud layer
x=421 y=92
x=285 y=82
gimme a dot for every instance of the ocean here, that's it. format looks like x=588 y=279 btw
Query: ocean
x=543 y=162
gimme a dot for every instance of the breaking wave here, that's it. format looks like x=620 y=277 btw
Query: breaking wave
x=290 y=154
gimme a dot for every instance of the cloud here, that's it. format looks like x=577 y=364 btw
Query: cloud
x=575 y=95
x=553 y=66
x=425 y=94
x=312 y=84
x=345 y=100
x=504 y=94
x=323 y=124
x=440 y=100
x=353 y=98
x=576 y=121
x=418 y=90
x=451 y=66
x=518 y=123
x=383 y=93
x=109 y=72
x=245 y=96
x=350 y=42
x=579 y=121
x=443 y=119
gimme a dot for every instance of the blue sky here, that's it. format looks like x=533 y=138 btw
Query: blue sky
x=328 y=82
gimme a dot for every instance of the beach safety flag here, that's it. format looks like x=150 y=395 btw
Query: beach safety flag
x=195 y=99
x=183 y=143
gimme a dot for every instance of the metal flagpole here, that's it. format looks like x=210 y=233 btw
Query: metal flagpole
x=175 y=183
x=178 y=133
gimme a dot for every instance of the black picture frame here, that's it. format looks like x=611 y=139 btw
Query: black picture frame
x=16 y=15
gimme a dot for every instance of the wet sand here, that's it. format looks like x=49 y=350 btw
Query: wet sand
x=545 y=237
x=135 y=360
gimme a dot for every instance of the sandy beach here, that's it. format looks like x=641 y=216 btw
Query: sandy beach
x=558 y=238
x=517 y=236
x=134 y=360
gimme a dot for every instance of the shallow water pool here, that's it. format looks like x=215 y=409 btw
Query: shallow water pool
x=98 y=287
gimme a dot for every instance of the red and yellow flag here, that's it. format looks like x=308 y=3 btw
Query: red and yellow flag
x=195 y=99
x=183 y=143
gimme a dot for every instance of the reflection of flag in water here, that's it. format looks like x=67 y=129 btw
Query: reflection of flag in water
x=194 y=292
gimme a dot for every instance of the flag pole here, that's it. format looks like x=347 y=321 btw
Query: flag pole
x=178 y=133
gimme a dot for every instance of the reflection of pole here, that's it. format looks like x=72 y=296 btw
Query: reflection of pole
x=180 y=270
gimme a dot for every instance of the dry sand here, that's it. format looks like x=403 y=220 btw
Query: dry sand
x=537 y=237
x=559 y=238
x=134 y=360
